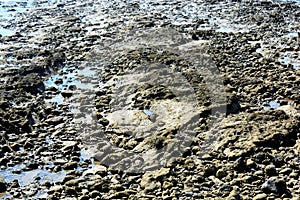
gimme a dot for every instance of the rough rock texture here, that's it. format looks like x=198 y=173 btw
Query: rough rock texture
x=65 y=93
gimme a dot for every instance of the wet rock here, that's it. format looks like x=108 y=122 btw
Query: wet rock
x=3 y=186
x=6 y=149
x=71 y=191
x=221 y=173
x=210 y=170
x=70 y=165
x=33 y=165
x=270 y=170
x=15 y=184
x=95 y=194
x=15 y=146
x=269 y=186
x=260 y=197
x=274 y=185
x=4 y=161
x=67 y=94
x=72 y=183
x=84 y=197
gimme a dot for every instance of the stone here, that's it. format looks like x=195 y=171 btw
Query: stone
x=84 y=197
x=274 y=185
x=95 y=194
x=70 y=165
x=269 y=186
x=270 y=170
x=72 y=183
x=3 y=186
x=4 y=161
x=71 y=191
x=260 y=197
x=221 y=173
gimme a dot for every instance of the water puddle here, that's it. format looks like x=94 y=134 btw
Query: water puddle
x=273 y=105
x=286 y=60
x=293 y=34
x=148 y=112
x=8 y=10
x=69 y=81
x=27 y=177
x=224 y=29
x=6 y=32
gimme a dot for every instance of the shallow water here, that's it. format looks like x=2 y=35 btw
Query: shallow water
x=8 y=11
x=286 y=60
x=77 y=80
x=272 y=104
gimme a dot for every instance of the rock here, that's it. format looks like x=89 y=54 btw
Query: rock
x=67 y=94
x=281 y=187
x=55 y=120
x=149 y=179
x=122 y=194
x=274 y=185
x=71 y=191
x=70 y=165
x=233 y=195
x=15 y=146
x=95 y=194
x=4 y=161
x=15 y=184
x=6 y=149
x=28 y=145
x=3 y=187
x=33 y=165
x=269 y=186
x=271 y=128
x=260 y=197
x=270 y=170
x=210 y=170
x=221 y=173
x=84 y=197
x=72 y=183
x=55 y=189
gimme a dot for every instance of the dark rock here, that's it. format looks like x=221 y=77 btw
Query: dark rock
x=270 y=170
x=28 y=145
x=3 y=161
x=275 y=185
x=67 y=94
x=95 y=194
x=33 y=165
x=6 y=149
x=84 y=197
x=15 y=146
x=210 y=170
x=71 y=191
x=70 y=165
x=269 y=186
x=3 y=187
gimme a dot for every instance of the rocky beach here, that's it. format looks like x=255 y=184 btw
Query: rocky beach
x=149 y=99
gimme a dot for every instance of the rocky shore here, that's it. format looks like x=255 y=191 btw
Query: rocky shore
x=68 y=106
